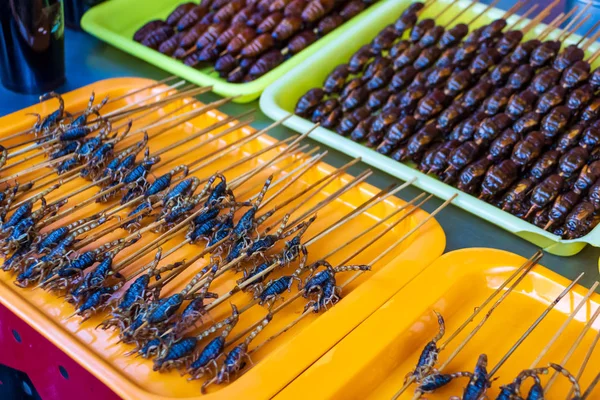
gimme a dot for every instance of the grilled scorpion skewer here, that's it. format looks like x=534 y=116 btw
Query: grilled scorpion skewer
x=317 y=307
x=118 y=186
x=117 y=268
x=192 y=114
x=233 y=185
x=326 y=180
x=311 y=162
x=519 y=273
x=477 y=390
x=309 y=307
x=76 y=114
x=68 y=130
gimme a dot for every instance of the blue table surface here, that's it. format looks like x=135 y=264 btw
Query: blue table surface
x=89 y=60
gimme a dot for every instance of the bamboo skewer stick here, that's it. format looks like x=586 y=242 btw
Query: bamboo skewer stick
x=543 y=14
x=533 y=326
x=586 y=359
x=586 y=34
x=399 y=241
x=522 y=17
x=592 y=39
x=574 y=347
x=488 y=8
x=159 y=122
x=118 y=186
x=206 y=251
x=530 y=263
x=591 y=388
x=523 y=275
x=149 y=87
x=562 y=328
x=457 y=16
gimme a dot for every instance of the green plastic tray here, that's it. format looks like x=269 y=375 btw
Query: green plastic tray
x=280 y=99
x=116 y=21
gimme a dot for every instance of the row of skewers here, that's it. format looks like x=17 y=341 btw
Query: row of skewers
x=124 y=257
x=513 y=122
x=245 y=39
x=429 y=375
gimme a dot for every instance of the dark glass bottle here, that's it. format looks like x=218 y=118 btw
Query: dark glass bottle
x=32 y=47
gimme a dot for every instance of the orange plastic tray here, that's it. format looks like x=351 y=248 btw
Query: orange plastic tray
x=371 y=362
x=282 y=360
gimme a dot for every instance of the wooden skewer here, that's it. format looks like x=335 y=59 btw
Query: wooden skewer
x=552 y=25
x=186 y=92
x=53 y=133
x=514 y=9
x=54 y=140
x=149 y=87
x=574 y=20
x=586 y=359
x=591 y=388
x=189 y=115
x=464 y=10
x=448 y=6
x=309 y=311
x=321 y=234
x=403 y=238
x=534 y=325
x=320 y=184
x=488 y=314
x=543 y=14
x=34 y=168
x=488 y=8
x=111 y=189
x=556 y=22
x=342 y=221
x=128 y=108
x=310 y=163
x=526 y=266
x=160 y=241
x=282 y=331
x=574 y=347
x=587 y=33
x=360 y=178
x=559 y=332
x=576 y=27
x=208 y=160
x=593 y=57
x=591 y=40
x=523 y=17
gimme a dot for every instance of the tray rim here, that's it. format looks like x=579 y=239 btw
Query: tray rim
x=474 y=256
x=384 y=282
x=92 y=24
x=270 y=105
